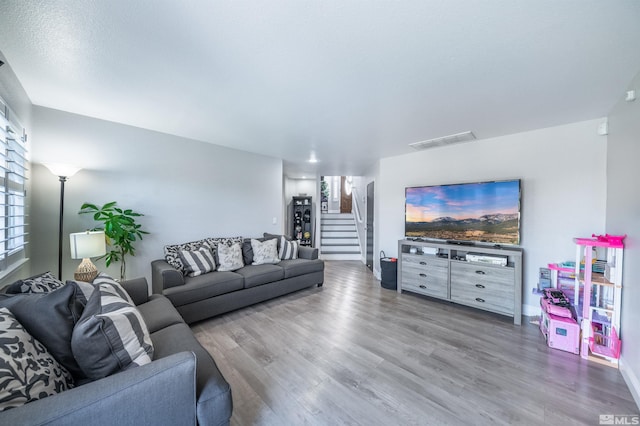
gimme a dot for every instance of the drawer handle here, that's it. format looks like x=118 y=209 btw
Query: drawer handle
x=423 y=286
x=423 y=275
x=480 y=272
x=423 y=263
x=479 y=300
x=479 y=286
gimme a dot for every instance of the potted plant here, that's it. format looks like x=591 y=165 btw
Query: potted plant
x=120 y=229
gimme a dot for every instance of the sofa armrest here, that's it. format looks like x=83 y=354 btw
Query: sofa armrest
x=139 y=393
x=164 y=276
x=138 y=289
x=307 y=253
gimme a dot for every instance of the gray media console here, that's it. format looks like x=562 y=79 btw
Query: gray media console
x=482 y=277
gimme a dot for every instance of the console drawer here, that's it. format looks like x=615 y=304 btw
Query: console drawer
x=425 y=275
x=435 y=288
x=484 y=287
x=422 y=261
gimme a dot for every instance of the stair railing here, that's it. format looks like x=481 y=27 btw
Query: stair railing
x=354 y=204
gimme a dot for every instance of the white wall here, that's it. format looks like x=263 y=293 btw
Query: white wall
x=563 y=188
x=623 y=217
x=187 y=189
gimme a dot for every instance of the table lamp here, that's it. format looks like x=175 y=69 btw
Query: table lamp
x=85 y=245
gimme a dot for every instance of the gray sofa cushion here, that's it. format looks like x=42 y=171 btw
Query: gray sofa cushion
x=297 y=267
x=159 y=313
x=204 y=287
x=255 y=275
x=213 y=393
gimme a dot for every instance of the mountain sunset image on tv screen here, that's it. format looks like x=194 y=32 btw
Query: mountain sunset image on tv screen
x=487 y=212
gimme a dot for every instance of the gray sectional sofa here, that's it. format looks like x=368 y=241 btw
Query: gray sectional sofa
x=181 y=386
x=214 y=293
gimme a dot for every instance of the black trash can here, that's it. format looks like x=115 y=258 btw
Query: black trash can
x=389 y=272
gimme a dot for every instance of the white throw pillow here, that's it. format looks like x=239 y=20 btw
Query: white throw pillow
x=230 y=257
x=265 y=252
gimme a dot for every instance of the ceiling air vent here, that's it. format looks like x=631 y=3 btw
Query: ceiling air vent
x=444 y=140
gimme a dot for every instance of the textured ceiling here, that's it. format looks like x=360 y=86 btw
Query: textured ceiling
x=346 y=81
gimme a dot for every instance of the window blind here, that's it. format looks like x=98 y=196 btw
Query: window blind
x=14 y=166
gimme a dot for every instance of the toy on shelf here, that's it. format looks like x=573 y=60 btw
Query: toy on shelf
x=555 y=302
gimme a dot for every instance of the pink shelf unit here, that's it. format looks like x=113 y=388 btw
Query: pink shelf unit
x=600 y=316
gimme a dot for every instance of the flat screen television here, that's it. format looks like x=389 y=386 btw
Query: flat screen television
x=483 y=212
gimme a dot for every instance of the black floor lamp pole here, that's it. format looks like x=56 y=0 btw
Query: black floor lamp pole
x=62 y=181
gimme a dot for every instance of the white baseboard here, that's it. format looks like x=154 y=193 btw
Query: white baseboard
x=530 y=311
x=631 y=378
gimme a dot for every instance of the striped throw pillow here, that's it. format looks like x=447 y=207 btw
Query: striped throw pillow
x=197 y=262
x=111 y=334
x=288 y=249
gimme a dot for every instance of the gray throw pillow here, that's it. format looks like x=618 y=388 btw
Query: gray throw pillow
x=111 y=335
x=28 y=371
x=50 y=318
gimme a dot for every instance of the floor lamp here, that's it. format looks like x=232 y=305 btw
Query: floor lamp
x=63 y=171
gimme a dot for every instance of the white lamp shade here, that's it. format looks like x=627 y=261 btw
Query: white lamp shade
x=87 y=244
x=59 y=169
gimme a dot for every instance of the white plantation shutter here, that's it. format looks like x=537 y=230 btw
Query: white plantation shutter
x=14 y=166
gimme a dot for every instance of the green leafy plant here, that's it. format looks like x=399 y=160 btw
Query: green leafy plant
x=120 y=229
x=324 y=190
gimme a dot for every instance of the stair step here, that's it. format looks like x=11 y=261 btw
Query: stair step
x=337 y=222
x=338 y=228
x=336 y=215
x=338 y=241
x=340 y=249
x=339 y=234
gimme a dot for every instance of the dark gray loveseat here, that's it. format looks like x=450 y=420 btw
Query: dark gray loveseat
x=180 y=386
x=215 y=293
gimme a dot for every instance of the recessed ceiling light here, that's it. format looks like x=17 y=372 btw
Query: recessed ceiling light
x=313 y=160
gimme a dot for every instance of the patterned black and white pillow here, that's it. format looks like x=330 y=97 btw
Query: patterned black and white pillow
x=172 y=256
x=230 y=257
x=28 y=371
x=264 y=252
x=111 y=335
x=288 y=249
x=41 y=283
x=197 y=262
x=171 y=252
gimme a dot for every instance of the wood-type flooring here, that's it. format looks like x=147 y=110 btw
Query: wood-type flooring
x=354 y=353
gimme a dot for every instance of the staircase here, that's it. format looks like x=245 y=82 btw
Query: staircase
x=339 y=237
